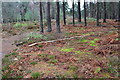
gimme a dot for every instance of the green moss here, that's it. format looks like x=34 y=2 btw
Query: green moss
x=73 y=68
x=97 y=70
x=78 y=52
x=92 y=42
x=36 y=75
x=13 y=53
x=43 y=55
x=40 y=46
x=67 y=50
x=117 y=39
x=53 y=61
x=75 y=75
x=92 y=45
x=83 y=40
x=51 y=56
x=7 y=55
x=96 y=39
x=33 y=63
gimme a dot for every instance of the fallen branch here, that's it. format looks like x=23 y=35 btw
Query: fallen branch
x=57 y=40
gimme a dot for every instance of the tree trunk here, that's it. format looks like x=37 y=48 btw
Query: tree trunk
x=119 y=12
x=58 y=18
x=104 y=18
x=97 y=14
x=73 y=13
x=41 y=18
x=23 y=10
x=85 y=21
x=1 y=19
x=79 y=12
x=64 y=14
x=91 y=9
x=53 y=11
x=48 y=18
x=113 y=10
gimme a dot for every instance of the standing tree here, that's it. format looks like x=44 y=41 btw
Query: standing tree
x=91 y=9
x=48 y=17
x=79 y=11
x=104 y=18
x=58 y=17
x=41 y=18
x=1 y=19
x=73 y=13
x=119 y=12
x=64 y=14
x=97 y=13
x=53 y=10
x=23 y=10
x=85 y=13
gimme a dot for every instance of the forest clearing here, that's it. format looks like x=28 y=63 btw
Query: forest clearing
x=76 y=46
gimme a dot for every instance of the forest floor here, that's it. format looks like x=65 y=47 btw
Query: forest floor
x=92 y=52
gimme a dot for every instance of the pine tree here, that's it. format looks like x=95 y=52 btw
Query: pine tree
x=41 y=18
x=48 y=17
x=79 y=11
x=58 y=17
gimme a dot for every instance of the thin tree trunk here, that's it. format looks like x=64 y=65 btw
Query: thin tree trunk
x=48 y=17
x=41 y=18
x=73 y=13
x=91 y=9
x=85 y=20
x=119 y=12
x=79 y=11
x=1 y=19
x=97 y=13
x=104 y=18
x=113 y=10
x=64 y=14
x=58 y=18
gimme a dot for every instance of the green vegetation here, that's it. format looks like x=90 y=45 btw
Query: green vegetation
x=70 y=33
x=97 y=70
x=11 y=54
x=83 y=40
x=42 y=55
x=78 y=52
x=91 y=19
x=76 y=23
x=19 y=25
x=5 y=68
x=51 y=56
x=40 y=46
x=67 y=50
x=75 y=75
x=36 y=36
x=117 y=39
x=96 y=39
x=90 y=42
x=18 y=77
x=7 y=74
x=33 y=63
x=6 y=60
x=73 y=68
x=53 y=61
x=36 y=75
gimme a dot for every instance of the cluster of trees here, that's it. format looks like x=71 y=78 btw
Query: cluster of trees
x=31 y=11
